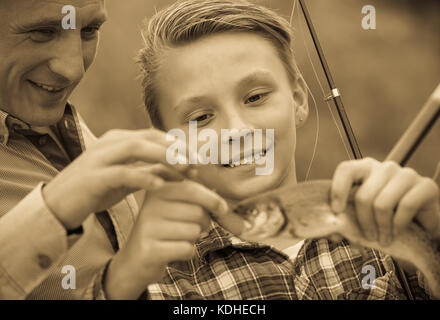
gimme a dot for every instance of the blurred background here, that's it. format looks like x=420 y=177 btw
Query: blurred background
x=384 y=75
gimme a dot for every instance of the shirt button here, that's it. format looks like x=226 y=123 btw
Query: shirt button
x=44 y=261
x=42 y=140
x=66 y=124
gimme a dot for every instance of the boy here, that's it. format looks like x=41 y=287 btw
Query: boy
x=229 y=64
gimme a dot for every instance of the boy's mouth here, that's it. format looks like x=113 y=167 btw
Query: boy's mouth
x=246 y=160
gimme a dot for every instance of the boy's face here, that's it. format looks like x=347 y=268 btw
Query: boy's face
x=226 y=81
x=40 y=62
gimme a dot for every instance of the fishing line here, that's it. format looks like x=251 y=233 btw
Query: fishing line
x=320 y=84
x=315 y=145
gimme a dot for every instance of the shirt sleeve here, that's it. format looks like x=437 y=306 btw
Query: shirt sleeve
x=95 y=290
x=32 y=239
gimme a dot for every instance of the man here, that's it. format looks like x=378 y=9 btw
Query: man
x=49 y=185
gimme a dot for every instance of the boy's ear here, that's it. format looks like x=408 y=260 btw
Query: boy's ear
x=300 y=97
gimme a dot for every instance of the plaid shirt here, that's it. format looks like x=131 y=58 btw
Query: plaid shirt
x=227 y=267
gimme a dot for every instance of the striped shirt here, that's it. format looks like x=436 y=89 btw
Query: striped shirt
x=34 y=245
x=226 y=267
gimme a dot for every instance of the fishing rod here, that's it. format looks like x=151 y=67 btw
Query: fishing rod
x=406 y=145
x=334 y=94
x=417 y=131
x=413 y=136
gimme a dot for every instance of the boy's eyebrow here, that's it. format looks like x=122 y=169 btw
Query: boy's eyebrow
x=256 y=77
x=191 y=100
x=253 y=78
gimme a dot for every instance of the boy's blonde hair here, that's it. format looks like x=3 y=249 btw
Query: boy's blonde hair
x=189 y=20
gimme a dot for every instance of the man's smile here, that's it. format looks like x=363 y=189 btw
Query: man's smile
x=48 y=88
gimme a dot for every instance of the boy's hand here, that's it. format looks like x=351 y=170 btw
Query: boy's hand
x=389 y=198
x=170 y=221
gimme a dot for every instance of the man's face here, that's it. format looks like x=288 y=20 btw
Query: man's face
x=231 y=81
x=40 y=62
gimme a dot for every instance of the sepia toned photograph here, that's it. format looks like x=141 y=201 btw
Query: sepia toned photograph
x=221 y=150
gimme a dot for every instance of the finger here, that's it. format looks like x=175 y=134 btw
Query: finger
x=160 y=138
x=190 y=214
x=132 y=150
x=165 y=172
x=388 y=199
x=195 y=193
x=346 y=174
x=174 y=231
x=150 y=134
x=422 y=197
x=169 y=251
x=366 y=195
x=132 y=179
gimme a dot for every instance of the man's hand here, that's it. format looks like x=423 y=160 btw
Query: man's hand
x=389 y=198
x=119 y=163
x=170 y=221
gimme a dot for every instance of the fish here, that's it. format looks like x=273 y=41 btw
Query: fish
x=303 y=211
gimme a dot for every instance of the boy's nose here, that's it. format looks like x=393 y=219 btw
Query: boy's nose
x=240 y=123
x=237 y=120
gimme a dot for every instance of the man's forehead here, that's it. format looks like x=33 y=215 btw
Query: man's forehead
x=25 y=11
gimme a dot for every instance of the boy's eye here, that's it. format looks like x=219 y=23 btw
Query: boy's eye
x=202 y=119
x=43 y=34
x=255 y=98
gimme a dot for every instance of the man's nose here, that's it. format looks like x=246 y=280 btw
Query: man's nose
x=69 y=60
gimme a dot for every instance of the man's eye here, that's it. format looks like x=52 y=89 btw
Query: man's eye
x=255 y=98
x=90 y=32
x=42 y=35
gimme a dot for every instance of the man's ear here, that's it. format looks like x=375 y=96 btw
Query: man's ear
x=300 y=97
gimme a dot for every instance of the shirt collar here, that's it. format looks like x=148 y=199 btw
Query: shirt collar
x=10 y=124
x=217 y=238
